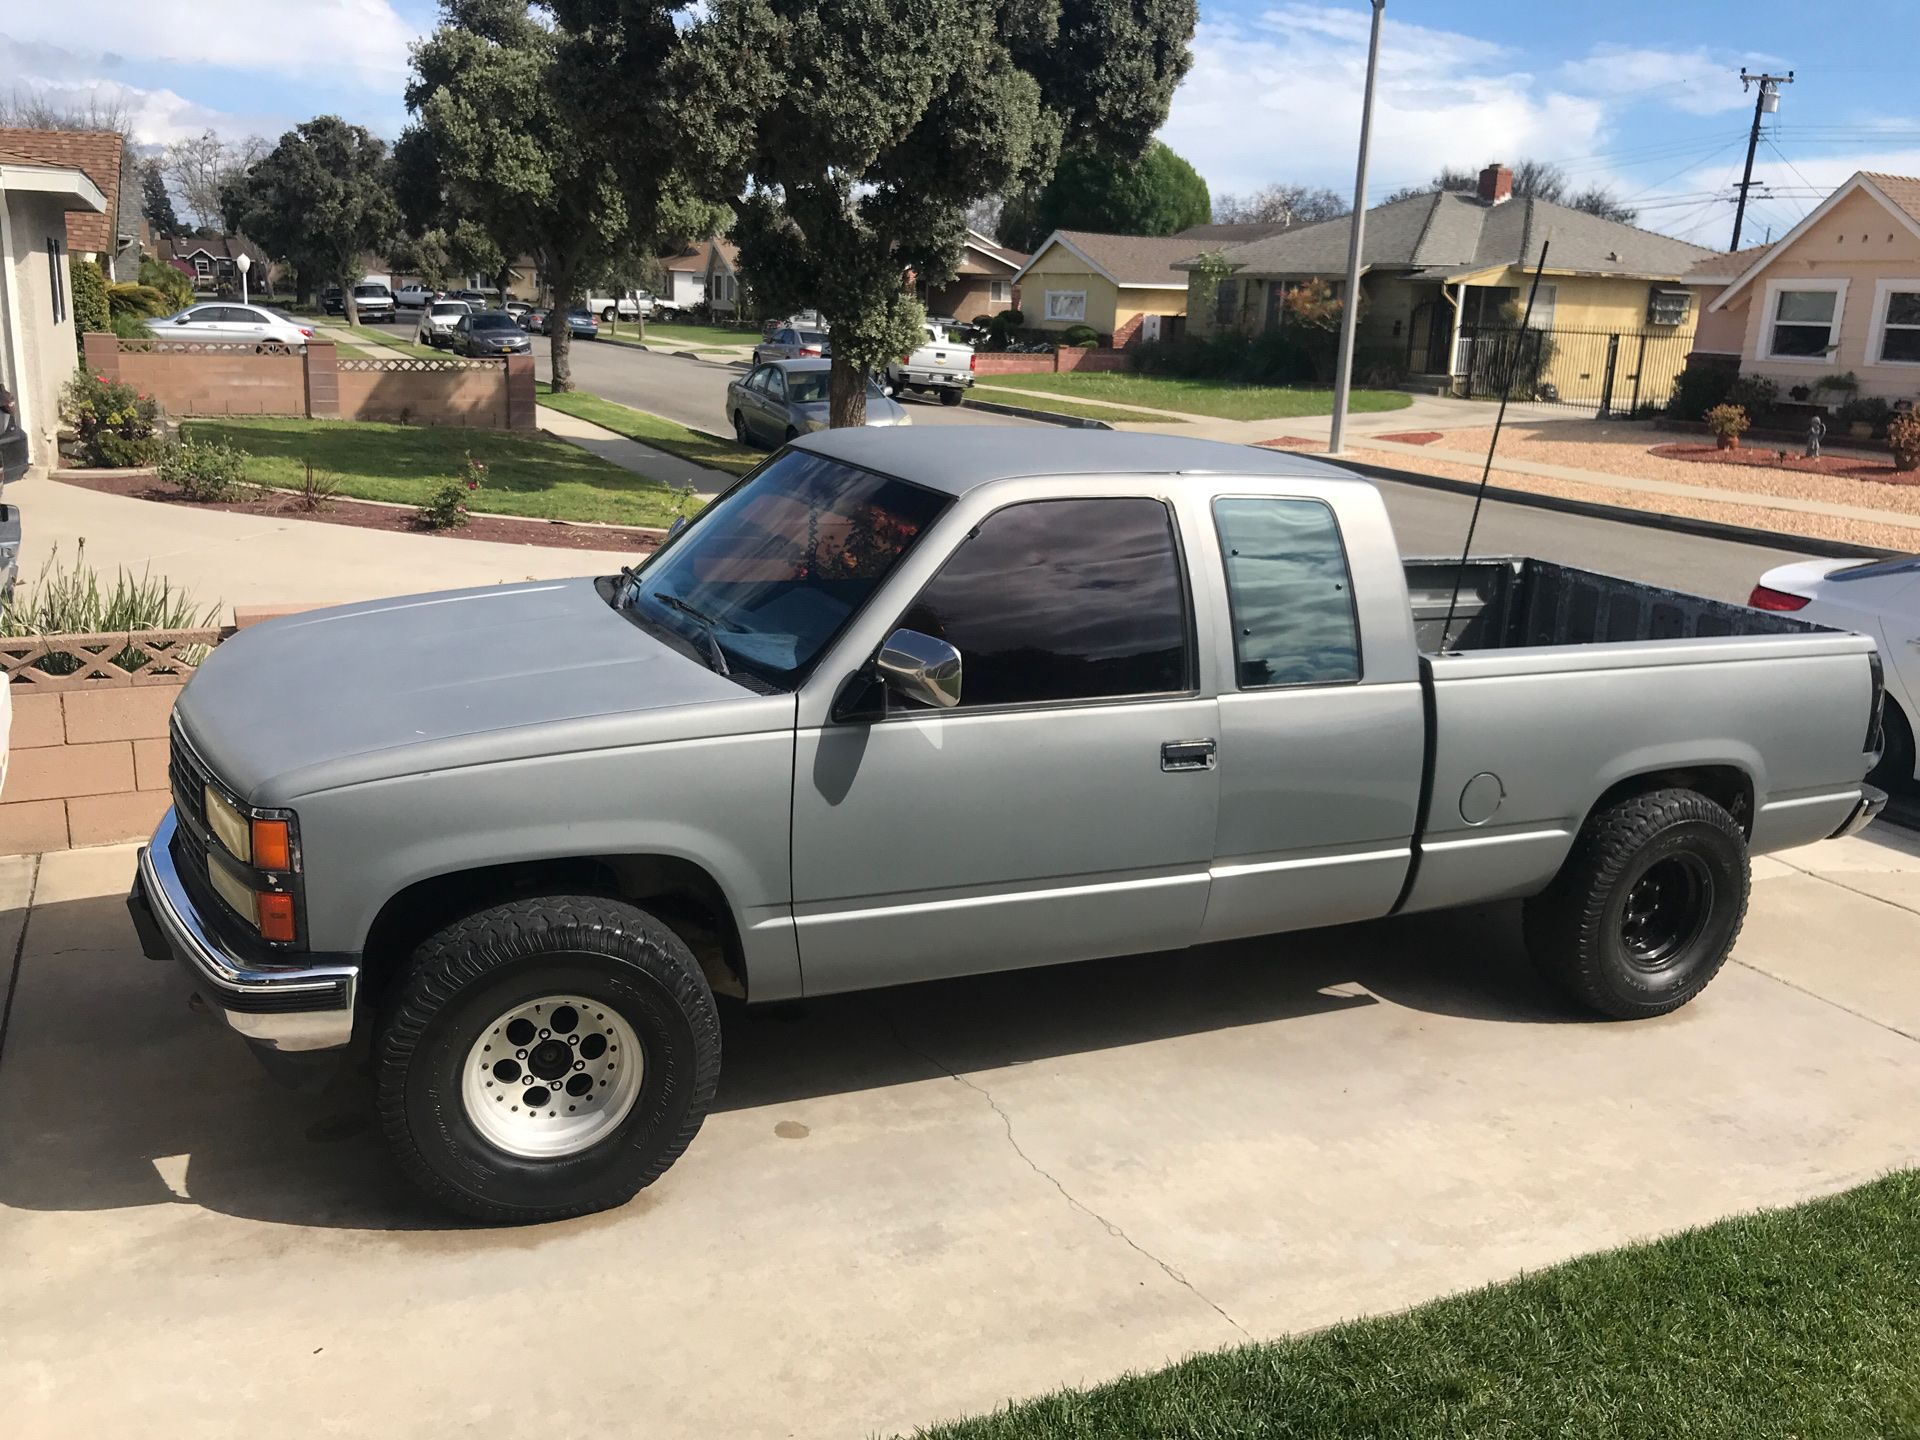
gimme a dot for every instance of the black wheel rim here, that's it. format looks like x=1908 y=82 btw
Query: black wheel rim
x=1666 y=910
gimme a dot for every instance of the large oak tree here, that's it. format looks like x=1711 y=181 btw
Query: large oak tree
x=1114 y=194
x=861 y=131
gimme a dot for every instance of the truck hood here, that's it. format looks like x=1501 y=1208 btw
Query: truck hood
x=294 y=696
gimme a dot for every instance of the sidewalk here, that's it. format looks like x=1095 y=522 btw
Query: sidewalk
x=610 y=445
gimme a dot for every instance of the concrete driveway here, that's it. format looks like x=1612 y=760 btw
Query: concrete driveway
x=916 y=1203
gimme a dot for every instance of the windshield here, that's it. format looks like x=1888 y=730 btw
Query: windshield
x=450 y=307
x=779 y=564
x=809 y=387
x=493 y=320
x=369 y=292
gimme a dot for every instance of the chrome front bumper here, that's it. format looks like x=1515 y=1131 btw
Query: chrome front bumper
x=282 y=1008
x=1872 y=802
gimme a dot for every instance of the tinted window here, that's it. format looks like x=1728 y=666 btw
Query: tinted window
x=1063 y=600
x=494 y=320
x=1289 y=591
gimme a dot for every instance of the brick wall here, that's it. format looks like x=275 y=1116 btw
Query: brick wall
x=88 y=767
x=1067 y=359
x=225 y=382
x=425 y=397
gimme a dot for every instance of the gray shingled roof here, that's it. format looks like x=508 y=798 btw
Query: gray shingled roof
x=1130 y=259
x=1446 y=233
x=1233 y=233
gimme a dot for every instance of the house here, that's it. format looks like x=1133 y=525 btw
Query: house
x=1838 y=293
x=1124 y=286
x=721 y=279
x=1438 y=267
x=1235 y=232
x=208 y=262
x=38 y=204
x=686 y=274
x=107 y=238
x=982 y=283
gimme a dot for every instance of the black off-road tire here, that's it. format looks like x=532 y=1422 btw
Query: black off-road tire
x=1894 y=772
x=950 y=396
x=466 y=975
x=1680 y=844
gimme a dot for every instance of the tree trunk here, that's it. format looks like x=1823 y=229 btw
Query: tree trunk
x=847 y=393
x=346 y=303
x=560 y=339
x=500 y=283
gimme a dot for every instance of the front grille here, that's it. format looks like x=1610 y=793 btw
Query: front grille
x=188 y=779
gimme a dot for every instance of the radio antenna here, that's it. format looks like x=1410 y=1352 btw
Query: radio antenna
x=1506 y=393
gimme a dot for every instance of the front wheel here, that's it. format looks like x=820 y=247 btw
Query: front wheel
x=546 y=1058
x=606 y=316
x=1647 y=906
x=740 y=431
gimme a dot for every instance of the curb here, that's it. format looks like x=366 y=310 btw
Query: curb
x=1680 y=524
x=1021 y=412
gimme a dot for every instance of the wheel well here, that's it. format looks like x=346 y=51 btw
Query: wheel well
x=1728 y=786
x=677 y=892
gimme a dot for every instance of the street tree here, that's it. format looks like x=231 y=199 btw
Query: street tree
x=155 y=203
x=1097 y=189
x=322 y=198
x=554 y=126
x=201 y=166
x=442 y=242
x=862 y=132
x=1280 y=204
x=1532 y=180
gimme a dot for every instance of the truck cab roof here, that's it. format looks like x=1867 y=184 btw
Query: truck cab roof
x=980 y=455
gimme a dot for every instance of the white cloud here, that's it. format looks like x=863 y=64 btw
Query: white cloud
x=367 y=38
x=1697 y=81
x=1279 y=99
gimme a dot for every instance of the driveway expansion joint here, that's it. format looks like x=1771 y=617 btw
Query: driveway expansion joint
x=1006 y=1122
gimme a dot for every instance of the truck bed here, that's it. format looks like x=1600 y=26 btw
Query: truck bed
x=1508 y=602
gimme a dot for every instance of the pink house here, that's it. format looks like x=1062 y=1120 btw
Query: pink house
x=1838 y=293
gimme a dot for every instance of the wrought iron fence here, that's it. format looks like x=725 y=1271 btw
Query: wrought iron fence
x=1610 y=372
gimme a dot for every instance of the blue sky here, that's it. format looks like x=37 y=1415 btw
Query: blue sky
x=1274 y=94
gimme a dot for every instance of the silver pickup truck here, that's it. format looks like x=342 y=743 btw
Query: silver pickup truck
x=892 y=709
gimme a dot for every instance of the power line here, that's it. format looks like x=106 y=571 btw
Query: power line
x=1765 y=102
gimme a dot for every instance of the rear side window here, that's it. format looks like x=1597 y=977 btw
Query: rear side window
x=1289 y=592
x=1064 y=600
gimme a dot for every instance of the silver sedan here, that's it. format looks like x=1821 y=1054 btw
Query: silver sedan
x=784 y=399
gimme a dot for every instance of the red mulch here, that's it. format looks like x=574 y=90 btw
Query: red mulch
x=1291 y=442
x=556 y=534
x=1412 y=437
x=1850 y=467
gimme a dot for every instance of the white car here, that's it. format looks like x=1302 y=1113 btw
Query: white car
x=413 y=297
x=230 y=320
x=438 y=320
x=1880 y=598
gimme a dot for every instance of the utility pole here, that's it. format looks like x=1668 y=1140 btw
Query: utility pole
x=1766 y=102
x=1350 y=297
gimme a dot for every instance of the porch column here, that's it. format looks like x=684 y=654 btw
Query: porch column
x=1457 y=301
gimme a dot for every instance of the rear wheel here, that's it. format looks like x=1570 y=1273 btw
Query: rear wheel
x=546 y=1058
x=792 y=434
x=1894 y=773
x=951 y=397
x=1647 y=906
x=606 y=316
x=740 y=428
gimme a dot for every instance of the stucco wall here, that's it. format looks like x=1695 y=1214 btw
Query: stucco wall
x=48 y=356
x=1857 y=242
x=968 y=296
x=1061 y=269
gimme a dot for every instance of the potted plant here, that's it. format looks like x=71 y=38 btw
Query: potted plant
x=1833 y=391
x=1864 y=415
x=1727 y=422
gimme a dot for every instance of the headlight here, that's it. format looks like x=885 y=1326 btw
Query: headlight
x=264 y=842
x=229 y=826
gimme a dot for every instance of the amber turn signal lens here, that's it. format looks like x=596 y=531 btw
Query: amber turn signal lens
x=276 y=916
x=272 y=849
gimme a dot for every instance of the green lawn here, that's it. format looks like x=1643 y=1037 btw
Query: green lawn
x=1802 y=1322
x=395 y=337
x=662 y=434
x=1112 y=414
x=1202 y=397
x=665 y=333
x=526 y=474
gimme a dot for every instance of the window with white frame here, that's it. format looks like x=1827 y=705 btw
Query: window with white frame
x=1803 y=320
x=1896 y=324
x=1066 y=304
x=1002 y=292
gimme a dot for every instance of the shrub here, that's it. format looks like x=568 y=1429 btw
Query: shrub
x=78 y=602
x=317 y=490
x=203 y=470
x=177 y=289
x=1727 y=421
x=1903 y=436
x=1084 y=337
x=89 y=290
x=1868 y=410
x=1755 y=394
x=446 y=509
x=129 y=326
x=115 y=423
x=140 y=301
x=1835 y=389
x=1698 y=389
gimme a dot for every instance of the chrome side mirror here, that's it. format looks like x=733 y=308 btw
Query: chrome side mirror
x=920 y=668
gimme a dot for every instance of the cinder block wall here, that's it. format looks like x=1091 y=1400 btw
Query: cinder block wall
x=88 y=767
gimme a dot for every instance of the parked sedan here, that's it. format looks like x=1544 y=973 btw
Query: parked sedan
x=436 y=324
x=785 y=399
x=230 y=320
x=787 y=343
x=491 y=332
x=534 y=321
x=1880 y=598
x=582 y=326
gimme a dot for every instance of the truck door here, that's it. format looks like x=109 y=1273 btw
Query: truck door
x=1064 y=809
x=1321 y=736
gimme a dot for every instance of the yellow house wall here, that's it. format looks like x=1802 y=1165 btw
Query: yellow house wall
x=1058 y=268
x=1861 y=243
x=1131 y=303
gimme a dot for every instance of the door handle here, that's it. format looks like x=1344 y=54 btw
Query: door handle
x=1186 y=755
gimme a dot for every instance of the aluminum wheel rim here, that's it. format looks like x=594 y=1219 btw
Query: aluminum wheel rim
x=552 y=1077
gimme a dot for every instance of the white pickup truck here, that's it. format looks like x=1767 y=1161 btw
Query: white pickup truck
x=630 y=306
x=941 y=365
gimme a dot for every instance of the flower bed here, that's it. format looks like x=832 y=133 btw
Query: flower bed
x=1850 y=467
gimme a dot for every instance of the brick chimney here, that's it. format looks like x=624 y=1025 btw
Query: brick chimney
x=1496 y=183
